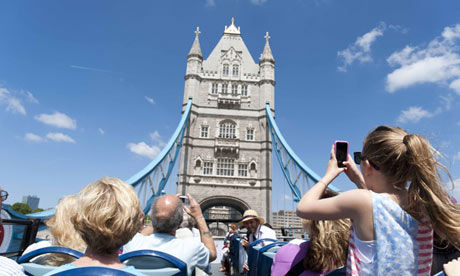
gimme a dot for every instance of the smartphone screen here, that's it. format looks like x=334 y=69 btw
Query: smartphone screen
x=341 y=152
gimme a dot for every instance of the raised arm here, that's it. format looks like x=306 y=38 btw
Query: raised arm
x=354 y=204
x=206 y=237
x=354 y=174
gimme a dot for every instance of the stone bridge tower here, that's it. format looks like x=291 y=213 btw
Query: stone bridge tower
x=226 y=158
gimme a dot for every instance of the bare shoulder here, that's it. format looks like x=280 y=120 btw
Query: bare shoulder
x=356 y=199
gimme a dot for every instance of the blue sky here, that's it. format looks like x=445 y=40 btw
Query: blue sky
x=94 y=88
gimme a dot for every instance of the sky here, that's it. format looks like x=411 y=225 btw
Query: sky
x=95 y=88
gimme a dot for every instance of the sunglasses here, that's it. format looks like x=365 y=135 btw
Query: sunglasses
x=3 y=195
x=358 y=157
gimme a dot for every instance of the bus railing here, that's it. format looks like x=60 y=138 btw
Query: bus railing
x=28 y=235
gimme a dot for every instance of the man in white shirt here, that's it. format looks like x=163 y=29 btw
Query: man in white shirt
x=256 y=231
x=8 y=267
x=167 y=213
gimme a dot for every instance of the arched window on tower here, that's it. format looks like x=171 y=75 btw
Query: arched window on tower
x=227 y=130
x=198 y=166
x=215 y=87
x=252 y=169
x=234 y=89
x=225 y=70
x=244 y=90
x=224 y=88
x=235 y=70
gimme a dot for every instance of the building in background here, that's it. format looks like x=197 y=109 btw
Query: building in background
x=288 y=220
x=32 y=201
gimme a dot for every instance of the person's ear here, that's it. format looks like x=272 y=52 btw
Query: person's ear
x=368 y=169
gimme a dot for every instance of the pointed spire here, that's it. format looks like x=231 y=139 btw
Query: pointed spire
x=232 y=29
x=196 y=49
x=267 y=53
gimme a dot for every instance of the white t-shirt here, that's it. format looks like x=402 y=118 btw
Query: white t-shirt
x=189 y=250
x=9 y=267
x=263 y=232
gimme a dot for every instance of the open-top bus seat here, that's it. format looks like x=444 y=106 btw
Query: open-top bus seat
x=93 y=271
x=35 y=269
x=152 y=262
x=266 y=254
x=253 y=254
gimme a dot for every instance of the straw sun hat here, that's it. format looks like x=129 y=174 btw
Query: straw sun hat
x=251 y=214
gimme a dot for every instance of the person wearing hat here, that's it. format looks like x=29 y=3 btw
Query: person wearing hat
x=256 y=230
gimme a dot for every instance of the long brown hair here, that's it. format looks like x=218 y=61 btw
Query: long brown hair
x=328 y=246
x=408 y=161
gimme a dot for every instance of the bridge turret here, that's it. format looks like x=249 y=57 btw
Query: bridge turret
x=267 y=74
x=194 y=67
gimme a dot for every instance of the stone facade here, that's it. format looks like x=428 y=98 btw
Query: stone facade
x=226 y=155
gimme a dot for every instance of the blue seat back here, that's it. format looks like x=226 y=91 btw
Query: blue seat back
x=234 y=256
x=51 y=249
x=34 y=269
x=253 y=255
x=94 y=271
x=266 y=254
x=155 y=262
x=440 y=273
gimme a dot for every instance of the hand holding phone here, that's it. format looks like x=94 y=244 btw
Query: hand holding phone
x=185 y=200
x=341 y=152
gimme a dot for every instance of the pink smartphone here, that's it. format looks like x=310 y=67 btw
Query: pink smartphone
x=341 y=152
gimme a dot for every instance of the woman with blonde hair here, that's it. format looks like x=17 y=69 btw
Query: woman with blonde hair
x=108 y=216
x=62 y=234
x=394 y=216
x=324 y=251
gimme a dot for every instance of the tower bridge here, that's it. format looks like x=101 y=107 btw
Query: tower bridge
x=225 y=139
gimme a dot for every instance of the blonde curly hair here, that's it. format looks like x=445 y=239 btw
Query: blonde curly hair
x=108 y=215
x=63 y=232
x=328 y=246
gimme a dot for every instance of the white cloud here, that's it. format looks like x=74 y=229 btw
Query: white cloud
x=57 y=119
x=398 y=28
x=456 y=191
x=438 y=62
x=101 y=131
x=210 y=3
x=150 y=100
x=13 y=100
x=12 y=103
x=59 y=137
x=457 y=157
x=413 y=114
x=155 y=136
x=33 y=138
x=143 y=149
x=361 y=49
x=29 y=96
x=258 y=2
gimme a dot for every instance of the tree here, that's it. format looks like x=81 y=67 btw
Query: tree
x=36 y=210
x=22 y=208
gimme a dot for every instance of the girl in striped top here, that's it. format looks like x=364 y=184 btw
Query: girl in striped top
x=400 y=201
